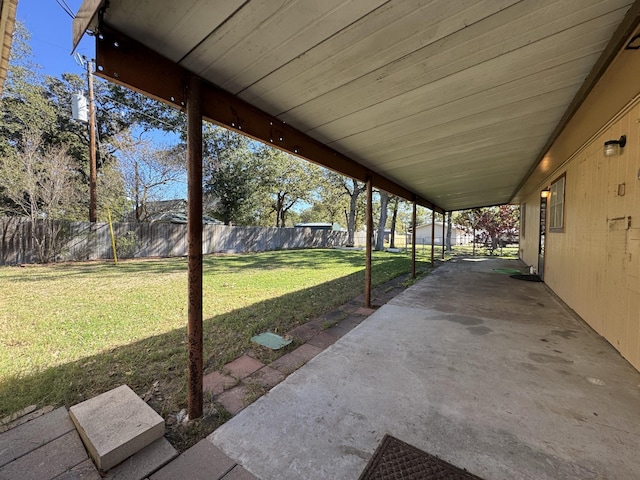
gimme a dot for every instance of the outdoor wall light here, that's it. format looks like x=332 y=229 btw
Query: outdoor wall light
x=612 y=147
x=545 y=193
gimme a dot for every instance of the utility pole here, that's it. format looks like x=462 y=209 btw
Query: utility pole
x=93 y=182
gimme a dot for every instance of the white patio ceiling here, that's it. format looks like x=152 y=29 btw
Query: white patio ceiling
x=453 y=100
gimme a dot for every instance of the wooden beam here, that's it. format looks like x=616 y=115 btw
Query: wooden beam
x=129 y=63
x=194 y=239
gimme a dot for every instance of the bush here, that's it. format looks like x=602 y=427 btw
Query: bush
x=127 y=245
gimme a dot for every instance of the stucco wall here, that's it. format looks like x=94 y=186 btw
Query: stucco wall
x=594 y=264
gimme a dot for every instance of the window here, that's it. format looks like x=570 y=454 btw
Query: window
x=556 y=205
x=523 y=216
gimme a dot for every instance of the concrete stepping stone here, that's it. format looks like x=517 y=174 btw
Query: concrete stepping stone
x=203 y=461
x=142 y=464
x=29 y=436
x=323 y=340
x=235 y=399
x=305 y=332
x=266 y=377
x=84 y=471
x=48 y=461
x=239 y=473
x=364 y=311
x=115 y=425
x=292 y=361
x=242 y=367
x=216 y=382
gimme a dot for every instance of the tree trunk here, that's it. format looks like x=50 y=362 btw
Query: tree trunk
x=474 y=241
x=449 y=231
x=384 y=202
x=394 y=217
x=353 y=207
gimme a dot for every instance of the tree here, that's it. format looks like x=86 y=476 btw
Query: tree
x=32 y=101
x=233 y=176
x=287 y=180
x=353 y=189
x=42 y=184
x=25 y=106
x=395 y=205
x=468 y=220
x=492 y=226
x=382 y=222
x=148 y=171
x=449 y=225
x=328 y=199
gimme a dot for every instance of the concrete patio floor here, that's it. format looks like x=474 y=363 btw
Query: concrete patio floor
x=489 y=373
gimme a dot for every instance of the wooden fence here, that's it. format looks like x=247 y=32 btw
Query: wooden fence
x=22 y=242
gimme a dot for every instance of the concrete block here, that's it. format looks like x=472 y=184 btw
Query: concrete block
x=31 y=435
x=47 y=462
x=115 y=425
x=145 y=462
x=203 y=461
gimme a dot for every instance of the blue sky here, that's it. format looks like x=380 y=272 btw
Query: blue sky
x=50 y=29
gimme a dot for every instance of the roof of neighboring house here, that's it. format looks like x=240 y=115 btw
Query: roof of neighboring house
x=7 y=23
x=172 y=211
x=179 y=217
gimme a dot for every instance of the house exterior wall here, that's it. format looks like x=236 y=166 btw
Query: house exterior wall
x=593 y=265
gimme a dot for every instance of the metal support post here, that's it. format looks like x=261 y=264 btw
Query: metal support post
x=194 y=239
x=444 y=217
x=433 y=235
x=414 y=217
x=368 y=263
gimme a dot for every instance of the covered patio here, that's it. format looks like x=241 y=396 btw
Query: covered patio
x=450 y=105
x=487 y=372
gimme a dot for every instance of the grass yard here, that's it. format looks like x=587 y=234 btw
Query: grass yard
x=71 y=331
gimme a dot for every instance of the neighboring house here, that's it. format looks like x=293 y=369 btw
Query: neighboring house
x=458 y=235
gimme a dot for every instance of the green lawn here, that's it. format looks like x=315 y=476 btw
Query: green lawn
x=71 y=331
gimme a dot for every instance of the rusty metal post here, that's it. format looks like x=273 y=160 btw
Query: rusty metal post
x=194 y=240
x=414 y=218
x=433 y=235
x=369 y=235
x=444 y=218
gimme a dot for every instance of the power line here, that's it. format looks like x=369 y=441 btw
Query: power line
x=66 y=8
